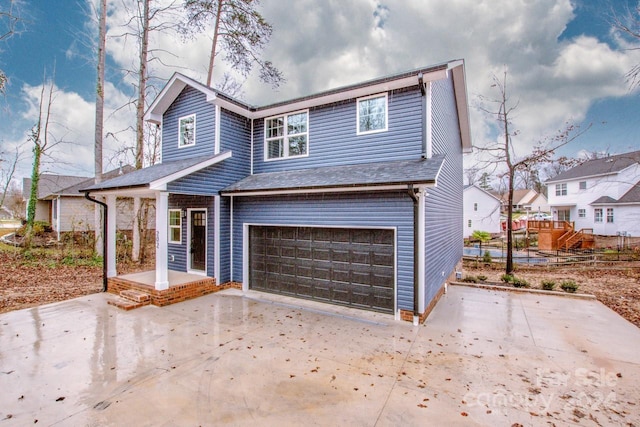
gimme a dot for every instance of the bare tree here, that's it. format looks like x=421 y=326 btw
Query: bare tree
x=628 y=23
x=502 y=153
x=241 y=31
x=43 y=143
x=7 y=172
x=99 y=120
x=10 y=24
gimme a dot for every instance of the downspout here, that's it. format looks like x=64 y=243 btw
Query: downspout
x=423 y=92
x=104 y=239
x=412 y=194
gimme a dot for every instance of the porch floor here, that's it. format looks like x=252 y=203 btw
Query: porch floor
x=175 y=277
x=182 y=286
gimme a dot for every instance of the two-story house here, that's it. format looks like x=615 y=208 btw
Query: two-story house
x=601 y=194
x=352 y=196
x=481 y=211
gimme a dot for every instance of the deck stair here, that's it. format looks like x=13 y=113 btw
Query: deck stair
x=130 y=299
x=581 y=239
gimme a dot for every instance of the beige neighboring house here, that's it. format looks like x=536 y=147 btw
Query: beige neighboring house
x=64 y=207
x=526 y=200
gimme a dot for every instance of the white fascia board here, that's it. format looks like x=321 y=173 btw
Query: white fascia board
x=581 y=178
x=462 y=104
x=348 y=94
x=372 y=188
x=161 y=184
x=170 y=92
x=142 y=191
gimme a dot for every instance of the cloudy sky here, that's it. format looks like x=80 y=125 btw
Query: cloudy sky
x=565 y=64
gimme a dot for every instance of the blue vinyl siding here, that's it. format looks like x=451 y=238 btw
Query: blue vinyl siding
x=225 y=240
x=443 y=204
x=190 y=101
x=342 y=210
x=235 y=135
x=179 y=251
x=333 y=140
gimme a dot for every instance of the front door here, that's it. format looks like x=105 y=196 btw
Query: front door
x=198 y=242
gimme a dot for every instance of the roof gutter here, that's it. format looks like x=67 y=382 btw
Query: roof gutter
x=104 y=238
x=416 y=261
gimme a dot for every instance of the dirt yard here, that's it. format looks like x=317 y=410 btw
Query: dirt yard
x=617 y=285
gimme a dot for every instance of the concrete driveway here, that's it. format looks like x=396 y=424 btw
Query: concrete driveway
x=482 y=358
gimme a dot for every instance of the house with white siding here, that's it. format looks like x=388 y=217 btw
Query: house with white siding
x=351 y=196
x=481 y=211
x=601 y=194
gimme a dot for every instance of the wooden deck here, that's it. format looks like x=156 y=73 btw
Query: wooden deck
x=561 y=235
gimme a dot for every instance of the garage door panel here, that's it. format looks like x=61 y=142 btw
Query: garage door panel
x=351 y=267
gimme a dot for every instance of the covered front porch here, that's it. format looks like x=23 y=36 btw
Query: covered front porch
x=182 y=286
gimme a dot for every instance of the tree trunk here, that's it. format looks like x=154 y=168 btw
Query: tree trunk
x=142 y=89
x=102 y=31
x=213 y=44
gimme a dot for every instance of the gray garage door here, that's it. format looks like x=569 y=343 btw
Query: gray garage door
x=351 y=267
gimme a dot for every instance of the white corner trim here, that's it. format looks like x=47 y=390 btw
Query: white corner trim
x=421 y=250
x=216 y=241
x=217 y=130
x=429 y=124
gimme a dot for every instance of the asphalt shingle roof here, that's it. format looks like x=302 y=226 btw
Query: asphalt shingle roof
x=143 y=177
x=631 y=196
x=370 y=174
x=603 y=166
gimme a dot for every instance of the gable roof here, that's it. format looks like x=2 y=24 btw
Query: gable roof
x=157 y=176
x=630 y=197
x=597 y=167
x=468 y=186
x=51 y=184
x=396 y=173
x=178 y=82
x=74 y=190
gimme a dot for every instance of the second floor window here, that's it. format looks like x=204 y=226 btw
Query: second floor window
x=475 y=206
x=609 y=215
x=582 y=213
x=597 y=215
x=582 y=185
x=561 y=189
x=187 y=131
x=372 y=114
x=286 y=136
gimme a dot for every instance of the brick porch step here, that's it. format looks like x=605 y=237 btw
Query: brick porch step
x=124 y=304
x=136 y=296
x=130 y=299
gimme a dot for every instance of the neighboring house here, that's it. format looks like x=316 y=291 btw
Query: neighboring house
x=61 y=205
x=601 y=194
x=5 y=213
x=481 y=211
x=524 y=200
x=351 y=196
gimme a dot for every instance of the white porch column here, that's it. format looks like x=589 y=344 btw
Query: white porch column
x=162 y=266
x=135 y=233
x=111 y=236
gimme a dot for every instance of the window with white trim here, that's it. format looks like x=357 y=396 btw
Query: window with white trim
x=286 y=136
x=582 y=213
x=475 y=207
x=175 y=226
x=372 y=114
x=469 y=224
x=582 y=185
x=597 y=215
x=610 y=215
x=187 y=131
x=561 y=189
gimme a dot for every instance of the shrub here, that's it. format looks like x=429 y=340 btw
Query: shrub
x=569 y=286
x=520 y=283
x=470 y=279
x=486 y=258
x=507 y=278
x=548 y=285
x=482 y=278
